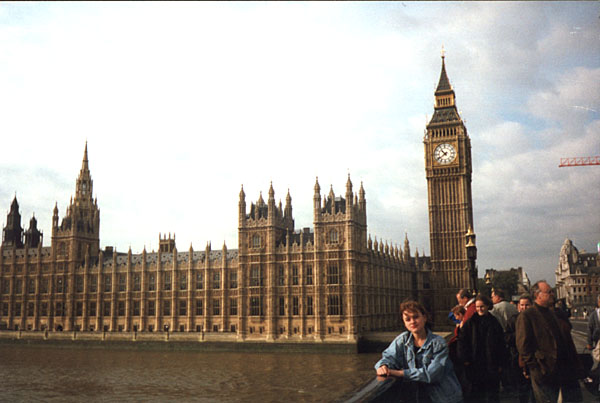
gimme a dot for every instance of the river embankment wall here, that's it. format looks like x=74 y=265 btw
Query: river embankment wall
x=178 y=341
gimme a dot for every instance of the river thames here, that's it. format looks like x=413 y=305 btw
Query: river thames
x=38 y=373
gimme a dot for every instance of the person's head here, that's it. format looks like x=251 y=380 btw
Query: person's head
x=459 y=312
x=543 y=294
x=524 y=303
x=414 y=316
x=463 y=296
x=497 y=295
x=482 y=304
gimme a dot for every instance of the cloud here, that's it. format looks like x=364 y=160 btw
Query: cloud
x=183 y=103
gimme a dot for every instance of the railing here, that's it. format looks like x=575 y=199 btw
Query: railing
x=383 y=389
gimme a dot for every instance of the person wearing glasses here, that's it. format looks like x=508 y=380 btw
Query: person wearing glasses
x=547 y=349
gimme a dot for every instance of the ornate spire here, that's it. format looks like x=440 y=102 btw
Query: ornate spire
x=444 y=83
x=83 y=187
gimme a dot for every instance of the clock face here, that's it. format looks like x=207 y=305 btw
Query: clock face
x=444 y=153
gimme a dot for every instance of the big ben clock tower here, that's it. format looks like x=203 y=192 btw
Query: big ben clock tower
x=448 y=170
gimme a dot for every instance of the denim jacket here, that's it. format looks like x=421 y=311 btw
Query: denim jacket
x=435 y=369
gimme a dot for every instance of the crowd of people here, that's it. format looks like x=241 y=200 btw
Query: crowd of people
x=524 y=349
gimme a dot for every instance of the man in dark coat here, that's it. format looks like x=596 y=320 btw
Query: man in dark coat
x=547 y=349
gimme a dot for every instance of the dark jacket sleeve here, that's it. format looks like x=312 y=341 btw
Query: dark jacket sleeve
x=525 y=340
x=463 y=347
x=592 y=326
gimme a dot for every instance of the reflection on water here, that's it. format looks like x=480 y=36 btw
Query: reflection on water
x=74 y=375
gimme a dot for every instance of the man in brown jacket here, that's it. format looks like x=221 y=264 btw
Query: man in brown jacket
x=548 y=350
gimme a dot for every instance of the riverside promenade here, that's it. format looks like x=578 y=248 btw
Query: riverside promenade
x=374 y=390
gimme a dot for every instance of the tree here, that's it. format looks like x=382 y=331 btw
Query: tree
x=507 y=281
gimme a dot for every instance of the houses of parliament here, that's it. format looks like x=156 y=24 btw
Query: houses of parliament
x=329 y=282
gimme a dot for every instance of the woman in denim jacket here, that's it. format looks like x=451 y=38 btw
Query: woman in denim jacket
x=420 y=356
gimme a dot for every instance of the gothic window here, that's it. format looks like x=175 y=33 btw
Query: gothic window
x=79 y=308
x=60 y=286
x=92 y=309
x=333 y=274
x=78 y=283
x=151 y=282
x=256 y=241
x=136 y=282
x=294 y=275
x=233 y=307
x=122 y=282
x=182 y=308
x=309 y=306
x=183 y=281
x=167 y=281
x=216 y=280
x=5 y=286
x=59 y=309
x=281 y=306
x=256 y=276
x=106 y=308
x=93 y=283
x=5 y=309
x=19 y=286
x=281 y=275
x=30 y=309
x=309 y=274
x=31 y=286
x=333 y=236
x=334 y=305
x=255 y=306
x=166 y=308
x=44 y=310
x=199 y=307
x=151 y=308
x=107 y=283
x=233 y=279
x=216 y=305
x=199 y=280
x=121 y=308
x=62 y=249
x=295 y=306
x=136 y=308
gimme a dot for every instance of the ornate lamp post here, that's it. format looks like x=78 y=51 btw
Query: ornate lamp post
x=472 y=256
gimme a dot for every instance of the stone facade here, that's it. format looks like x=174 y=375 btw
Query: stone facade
x=331 y=282
x=578 y=278
x=448 y=171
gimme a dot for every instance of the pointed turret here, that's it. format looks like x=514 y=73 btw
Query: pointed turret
x=13 y=232
x=444 y=83
x=33 y=236
x=242 y=208
x=406 y=247
x=445 y=105
x=84 y=184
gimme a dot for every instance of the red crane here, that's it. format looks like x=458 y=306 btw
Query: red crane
x=579 y=161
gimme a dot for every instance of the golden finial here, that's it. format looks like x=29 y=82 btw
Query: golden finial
x=443 y=52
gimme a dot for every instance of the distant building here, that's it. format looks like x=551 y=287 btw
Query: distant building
x=578 y=278
x=326 y=283
x=523 y=283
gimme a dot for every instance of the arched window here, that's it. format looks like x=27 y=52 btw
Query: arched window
x=333 y=236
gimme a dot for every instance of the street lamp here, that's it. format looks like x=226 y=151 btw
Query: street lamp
x=472 y=256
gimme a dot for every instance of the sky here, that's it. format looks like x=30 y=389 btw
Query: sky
x=183 y=103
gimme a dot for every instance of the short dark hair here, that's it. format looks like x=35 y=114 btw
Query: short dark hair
x=414 y=307
x=527 y=297
x=485 y=299
x=458 y=309
x=499 y=292
x=464 y=293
